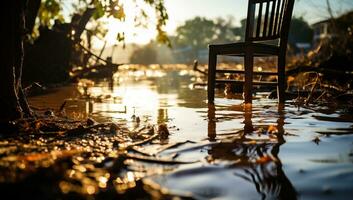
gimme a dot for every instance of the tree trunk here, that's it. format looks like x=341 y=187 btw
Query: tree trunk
x=13 y=103
x=80 y=27
x=31 y=14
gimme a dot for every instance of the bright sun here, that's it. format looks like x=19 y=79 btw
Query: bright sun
x=133 y=34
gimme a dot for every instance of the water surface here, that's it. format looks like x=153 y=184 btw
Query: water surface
x=260 y=152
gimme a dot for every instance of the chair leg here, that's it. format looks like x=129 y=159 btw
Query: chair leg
x=212 y=62
x=211 y=115
x=248 y=62
x=281 y=79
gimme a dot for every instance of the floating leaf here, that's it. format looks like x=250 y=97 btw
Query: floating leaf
x=264 y=159
x=272 y=129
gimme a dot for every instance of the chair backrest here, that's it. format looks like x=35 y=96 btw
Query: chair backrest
x=269 y=20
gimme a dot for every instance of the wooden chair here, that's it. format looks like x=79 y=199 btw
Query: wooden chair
x=267 y=20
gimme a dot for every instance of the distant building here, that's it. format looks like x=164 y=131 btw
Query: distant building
x=322 y=30
x=202 y=56
x=186 y=55
x=182 y=55
x=302 y=48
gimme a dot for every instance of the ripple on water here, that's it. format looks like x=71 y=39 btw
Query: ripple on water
x=257 y=152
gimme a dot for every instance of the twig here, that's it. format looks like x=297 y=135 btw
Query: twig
x=197 y=69
x=332 y=87
x=302 y=69
x=62 y=107
x=199 y=146
x=136 y=149
x=169 y=146
x=320 y=96
x=98 y=57
x=312 y=89
x=165 y=147
x=82 y=130
x=147 y=140
x=156 y=160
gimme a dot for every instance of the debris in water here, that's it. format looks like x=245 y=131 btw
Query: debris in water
x=272 y=129
x=316 y=140
x=138 y=120
x=61 y=109
x=49 y=113
x=113 y=128
x=326 y=189
x=90 y=122
x=163 y=131
x=264 y=159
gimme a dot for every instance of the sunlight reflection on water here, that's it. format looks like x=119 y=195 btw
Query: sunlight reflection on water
x=259 y=152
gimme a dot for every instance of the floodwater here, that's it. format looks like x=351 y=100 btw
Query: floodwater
x=231 y=151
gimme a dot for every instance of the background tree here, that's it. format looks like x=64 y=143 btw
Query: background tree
x=225 y=32
x=197 y=33
x=239 y=31
x=12 y=100
x=13 y=104
x=300 y=31
x=61 y=39
x=144 y=55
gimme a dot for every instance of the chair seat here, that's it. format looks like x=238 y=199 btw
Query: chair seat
x=268 y=83
x=240 y=48
x=234 y=71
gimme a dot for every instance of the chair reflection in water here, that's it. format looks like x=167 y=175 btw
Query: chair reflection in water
x=267 y=22
x=257 y=160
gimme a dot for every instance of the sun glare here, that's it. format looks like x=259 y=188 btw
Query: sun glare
x=136 y=29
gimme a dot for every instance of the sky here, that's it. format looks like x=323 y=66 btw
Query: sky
x=312 y=10
x=181 y=10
